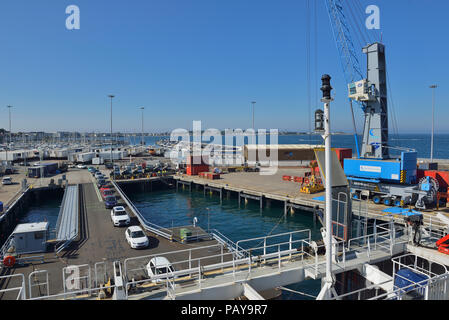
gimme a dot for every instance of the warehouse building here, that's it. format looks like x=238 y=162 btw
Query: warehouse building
x=286 y=155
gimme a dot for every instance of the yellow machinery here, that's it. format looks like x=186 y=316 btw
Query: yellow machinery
x=311 y=183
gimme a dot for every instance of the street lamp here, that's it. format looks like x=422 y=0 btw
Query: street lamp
x=143 y=141
x=433 y=87
x=253 y=103
x=327 y=289
x=112 y=160
x=208 y=220
x=9 y=110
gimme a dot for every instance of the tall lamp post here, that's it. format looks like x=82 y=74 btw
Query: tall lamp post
x=7 y=147
x=253 y=103
x=143 y=141
x=433 y=87
x=327 y=290
x=112 y=160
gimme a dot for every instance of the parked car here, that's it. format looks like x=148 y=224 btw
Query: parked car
x=107 y=187
x=106 y=192
x=81 y=166
x=108 y=165
x=119 y=216
x=136 y=238
x=91 y=169
x=99 y=175
x=110 y=202
x=6 y=181
x=101 y=183
x=159 y=266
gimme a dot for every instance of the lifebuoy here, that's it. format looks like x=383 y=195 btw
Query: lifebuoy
x=306 y=180
x=9 y=261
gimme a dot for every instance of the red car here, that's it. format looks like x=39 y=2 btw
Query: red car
x=106 y=192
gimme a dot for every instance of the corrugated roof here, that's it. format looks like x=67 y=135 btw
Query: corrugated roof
x=67 y=225
x=31 y=227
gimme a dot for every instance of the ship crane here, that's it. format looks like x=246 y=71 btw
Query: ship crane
x=374 y=173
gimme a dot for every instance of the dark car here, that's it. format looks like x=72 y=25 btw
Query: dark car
x=110 y=202
x=101 y=182
x=108 y=165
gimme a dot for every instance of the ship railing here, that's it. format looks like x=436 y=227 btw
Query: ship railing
x=385 y=236
x=435 y=228
x=8 y=243
x=135 y=266
x=228 y=243
x=163 y=232
x=435 y=286
x=195 y=270
x=76 y=294
x=263 y=245
x=21 y=289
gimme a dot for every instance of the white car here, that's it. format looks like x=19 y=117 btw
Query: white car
x=119 y=216
x=7 y=180
x=159 y=266
x=81 y=166
x=136 y=237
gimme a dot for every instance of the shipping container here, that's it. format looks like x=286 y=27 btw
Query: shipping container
x=342 y=154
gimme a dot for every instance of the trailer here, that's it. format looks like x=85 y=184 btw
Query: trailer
x=85 y=157
x=47 y=169
x=97 y=160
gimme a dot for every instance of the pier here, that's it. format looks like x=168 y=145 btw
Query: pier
x=263 y=188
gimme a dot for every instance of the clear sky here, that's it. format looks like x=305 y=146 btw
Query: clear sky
x=204 y=60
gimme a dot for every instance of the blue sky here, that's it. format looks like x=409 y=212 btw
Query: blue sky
x=203 y=60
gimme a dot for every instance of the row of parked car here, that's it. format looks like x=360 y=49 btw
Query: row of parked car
x=135 y=236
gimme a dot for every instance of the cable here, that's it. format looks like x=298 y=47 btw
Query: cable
x=355 y=25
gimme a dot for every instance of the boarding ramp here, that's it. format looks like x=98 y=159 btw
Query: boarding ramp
x=67 y=224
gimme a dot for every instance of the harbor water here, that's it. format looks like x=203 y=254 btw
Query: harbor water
x=43 y=208
x=169 y=208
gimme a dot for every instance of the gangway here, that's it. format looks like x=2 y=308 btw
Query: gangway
x=67 y=223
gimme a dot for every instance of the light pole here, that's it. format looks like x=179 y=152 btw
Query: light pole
x=143 y=141
x=112 y=160
x=208 y=220
x=253 y=103
x=7 y=147
x=327 y=290
x=433 y=87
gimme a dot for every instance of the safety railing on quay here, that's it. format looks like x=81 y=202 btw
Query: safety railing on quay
x=163 y=232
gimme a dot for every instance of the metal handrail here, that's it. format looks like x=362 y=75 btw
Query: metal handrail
x=228 y=243
x=22 y=291
x=145 y=223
